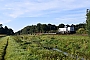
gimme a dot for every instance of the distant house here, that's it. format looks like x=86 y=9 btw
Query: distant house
x=66 y=30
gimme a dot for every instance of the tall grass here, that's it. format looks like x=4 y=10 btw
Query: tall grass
x=27 y=47
x=3 y=42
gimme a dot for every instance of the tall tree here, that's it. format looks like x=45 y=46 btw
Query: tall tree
x=44 y=28
x=5 y=29
x=88 y=21
x=39 y=27
x=1 y=25
x=61 y=25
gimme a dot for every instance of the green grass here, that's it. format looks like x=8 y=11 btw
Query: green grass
x=3 y=42
x=39 y=47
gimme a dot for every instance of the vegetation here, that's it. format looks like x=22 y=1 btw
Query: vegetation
x=81 y=31
x=3 y=43
x=46 y=28
x=38 y=47
x=6 y=30
x=88 y=21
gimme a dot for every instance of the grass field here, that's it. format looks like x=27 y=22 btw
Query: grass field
x=40 y=47
x=3 y=43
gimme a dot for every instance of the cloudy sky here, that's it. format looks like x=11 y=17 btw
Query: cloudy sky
x=17 y=14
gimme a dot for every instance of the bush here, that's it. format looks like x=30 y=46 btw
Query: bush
x=81 y=31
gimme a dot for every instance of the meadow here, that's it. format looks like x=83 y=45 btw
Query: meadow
x=46 y=47
x=3 y=45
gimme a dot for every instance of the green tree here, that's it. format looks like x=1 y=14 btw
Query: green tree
x=39 y=27
x=78 y=26
x=88 y=21
x=0 y=24
x=61 y=25
x=1 y=30
x=44 y=28
x=5 y=30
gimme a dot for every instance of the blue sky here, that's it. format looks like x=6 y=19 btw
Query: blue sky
x=17 y=14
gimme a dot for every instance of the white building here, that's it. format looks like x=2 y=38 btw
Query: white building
x=66 y=30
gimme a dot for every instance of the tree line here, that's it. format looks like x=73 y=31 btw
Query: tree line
x=5 y=30
x=47 y=28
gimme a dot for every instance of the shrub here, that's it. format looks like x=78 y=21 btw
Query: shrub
x=81 y=31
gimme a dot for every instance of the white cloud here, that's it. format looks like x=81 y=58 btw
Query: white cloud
x=71 y=19
x=5 y=21
x=38 y=7
x=20 y=8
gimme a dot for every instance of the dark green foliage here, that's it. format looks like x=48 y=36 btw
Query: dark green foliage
x=39 y=28
x=6 y=30
x=81 y=25
x=88 y=21
x=61 y=25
